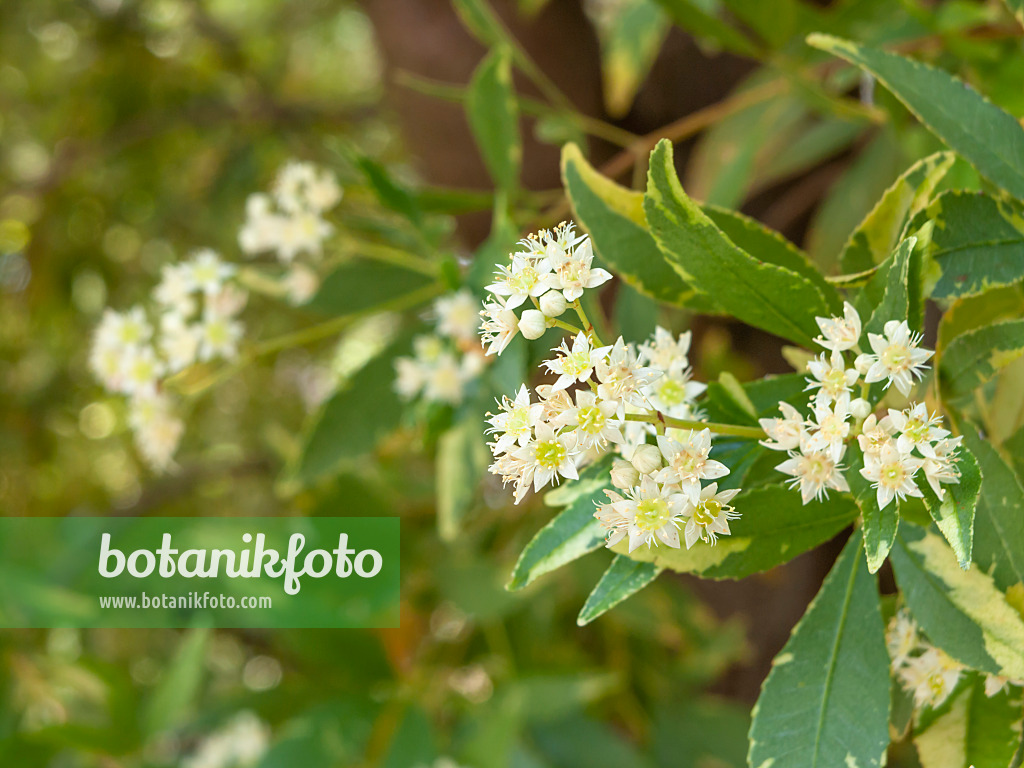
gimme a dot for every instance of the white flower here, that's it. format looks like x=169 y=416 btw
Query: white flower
x=513 y=470
x=291 y=183
x=552 y=304
x=840 y=333
x=141 y=369
x=206 y=271
x=785 y=433
x=874 y=434
x=444 y=381
x=593 y=420
x=409 y=377
x=106 y=364
x=624 y=474
x=573 y=271
x=622 y=377
x=458 y=316
x=302 y=232
x=262 y=228
x=859 y=408
x=901 y=638
x=665 y=351
x=688 y=463
x=554 y=402
x=892 y=473
x=897 y=356
x=174 y=291
x=917 y=429
x=515 y=421
x=646 y=459
x=930 y=677
x=613 y=516
x=241 y=743
x=532 y=324
x=577 y=364
x=997 y=684
x=157 y=431
x=940 y=466
x=229 y=301
x=709 y=516
x=549 y=455
x=323 y=192
x=674 y=392
x=301 y=284
x=829 y=429
x=219 y=336
x=654 y=513
x=525 y=278
x=831 y=377
x=500 y=325
x=179 y=342
x=124 y=329
x=815 y=473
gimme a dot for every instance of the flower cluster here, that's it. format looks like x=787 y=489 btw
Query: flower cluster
x=289 y=222
x=619 y=398
x=927 y=672
x=192 y=317
x=444 y=363
x=817 y=444
x=551 y=269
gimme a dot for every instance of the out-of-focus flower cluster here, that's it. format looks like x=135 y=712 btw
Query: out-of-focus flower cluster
x=289 y=222
x=895 y=447
x=446 y=362
x=616 y=398
x=241 y=743
x=927 y=672
x=192 y=315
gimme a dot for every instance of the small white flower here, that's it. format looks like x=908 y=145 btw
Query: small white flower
x=646 y=459
x=262 y=229
x=500 y=325
x=549 y=456
x=157 y=432
x=593 y=420
x=207 y=272
x=897 y=356
x=553 y=304
x=654 y=513
x=674 y=392
x=525 y=278
x=514 y=470
x=241 y=743
x=613 y=516
x=624 y=474
x=301 y=284
x=901 y=638
x=665 y=351
x=573 y=272
x=859 y=408
x=917 y=429
x=940 y=466
x=840 y=333
x=930 y=677
x=622 y=377
x=514 y=421
x=832 y=378
x=815 y=473
x=892 y=473
x=577 y=364
x=997 y=684
x=323 y=192
x=409 y=377
x=302 y=232
x=709 y=516
x=174 y=291
x=219 y=336
x=785 y=433
x=291 y=183
x=141 y=370
x=229 y=301
x=444 y=381
x=124 y=329
x=688 y=463
x=829 y=429
x=532 y=324
x=874 y=434
x=554 y=402
x=458 y=316
x=179 y=342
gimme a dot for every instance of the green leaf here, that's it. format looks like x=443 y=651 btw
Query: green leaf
x=624 y=578
x=998 y=532
x=481 y=21
x=774 y=22
x=494 y=117
x=879 y=525
x=766 y=296
x=614 y=217
x=962 y=612
x=693 y=16
x=991 y=139
x=629 y=44
x=974 y=731
x=572 y=533
x=1016 y=8
x=352 y=420
x=954 y=515
x=773 y=528
x=877 y=236
x=977 y=244
x=753 y=400
x=825 y=702
x=974 y=357
x=895 y=303
x=361 y=285
x=175 y=694
x=461 y=463
x=972 y=312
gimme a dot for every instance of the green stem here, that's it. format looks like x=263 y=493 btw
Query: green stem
x=390 y=255
x=660 y=419
x=566 y=326
x=588 y=327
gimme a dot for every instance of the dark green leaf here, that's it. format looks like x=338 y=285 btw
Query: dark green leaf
x=825 y=702
x=624 y=578
x=494 y=117
x=954 y=515
x=895 y=303
x=361 y=285
x=879 y=525
x=991 y=139
x=694 y=17
x=974 y=357
x=176 y=693
x=766 y=296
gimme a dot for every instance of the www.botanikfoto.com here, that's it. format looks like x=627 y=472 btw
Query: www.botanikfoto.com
x=189 y=600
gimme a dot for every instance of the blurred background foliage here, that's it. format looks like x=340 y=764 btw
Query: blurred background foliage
x=131 y=131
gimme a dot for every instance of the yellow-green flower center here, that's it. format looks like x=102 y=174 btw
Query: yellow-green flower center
x=895 y=356
x=835 y=380
x=671 y=392
x=706 y=512
x=591 y=420
x=524 y=280
x=651 y=514
x=687 y=462
x=550 y=454
x=893 y=474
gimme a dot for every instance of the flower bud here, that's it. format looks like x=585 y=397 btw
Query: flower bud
x=552 y=303
x=533 y=324
x=624 y=475
x=647 y=459
x=860 y=408
x=863 y=362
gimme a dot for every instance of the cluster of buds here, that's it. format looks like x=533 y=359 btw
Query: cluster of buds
x=927 y=672
x=447 y=361
x=192 y=317
x=817 y=444
x=551 y=269
x=289 y=222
